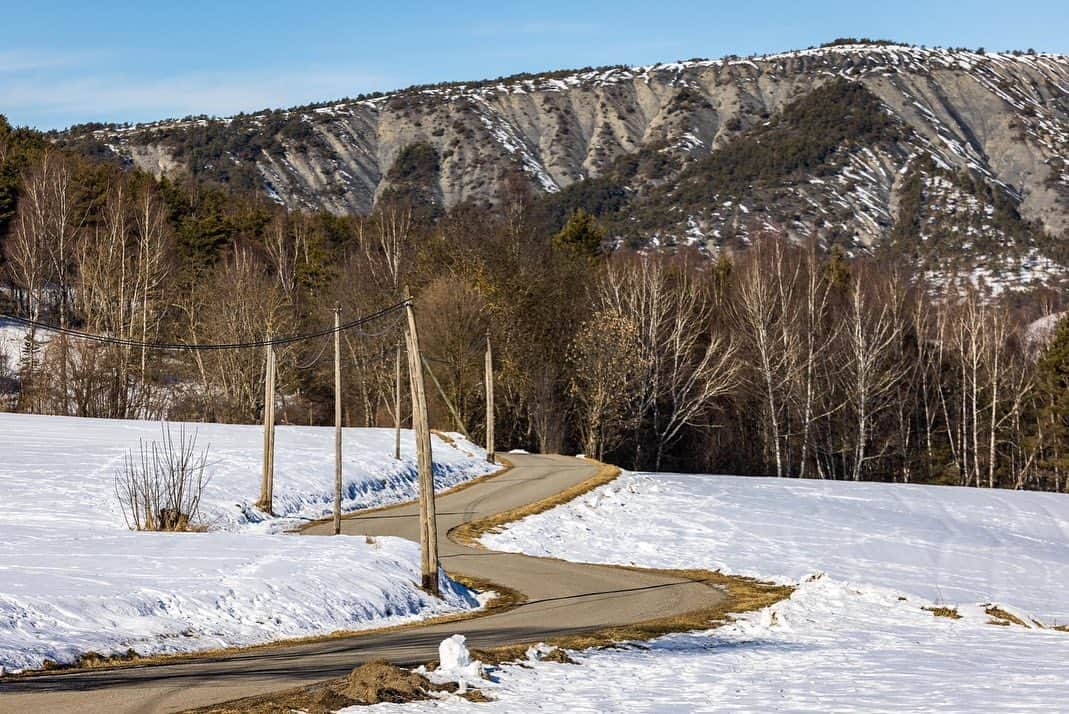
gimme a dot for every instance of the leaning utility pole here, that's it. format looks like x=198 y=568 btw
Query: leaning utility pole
x=267 y=482
x=489 y=401
x=428 y=528
x=337 y=420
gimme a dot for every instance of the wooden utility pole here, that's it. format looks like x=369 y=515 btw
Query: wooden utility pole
x=267 y=482
x=489 y=401
x=428 y=528
x=397 y=404
x=337 y=420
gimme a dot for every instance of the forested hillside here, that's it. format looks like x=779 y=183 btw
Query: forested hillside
x=835 y=294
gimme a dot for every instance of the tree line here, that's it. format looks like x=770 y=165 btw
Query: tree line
x=782 y=359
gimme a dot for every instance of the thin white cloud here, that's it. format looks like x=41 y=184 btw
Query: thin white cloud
x=120 y=97
x=32 y=60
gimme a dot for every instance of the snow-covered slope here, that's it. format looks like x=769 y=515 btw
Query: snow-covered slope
x=854 y=636
x=953 y=546
x=61 y=470
x=73 y=578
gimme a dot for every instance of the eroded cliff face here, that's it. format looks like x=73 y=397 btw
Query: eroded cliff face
x=1003 y=118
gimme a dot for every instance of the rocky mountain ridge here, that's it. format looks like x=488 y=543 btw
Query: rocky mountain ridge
x=971 y=135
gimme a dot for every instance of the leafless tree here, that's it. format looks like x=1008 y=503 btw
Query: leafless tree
x=161 y=486
x=453 y=324
x=758 y=310
x=870 y=371
x=687 y=364
x=817 y=338
x=608 y=362
x=241 y=302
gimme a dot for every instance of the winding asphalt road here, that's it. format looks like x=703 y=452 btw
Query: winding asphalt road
x=562 y=598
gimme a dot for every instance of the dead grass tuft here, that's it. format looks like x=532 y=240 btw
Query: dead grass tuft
x=1001 y=617
x=469 y=533
x=90 y=660
x=941 y=611
x=558 y=655
x=476 y=696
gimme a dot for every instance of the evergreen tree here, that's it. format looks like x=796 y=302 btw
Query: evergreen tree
x=581 y=235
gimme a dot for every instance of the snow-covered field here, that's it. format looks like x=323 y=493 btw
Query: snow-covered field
x=73 y=578
x=854 y=636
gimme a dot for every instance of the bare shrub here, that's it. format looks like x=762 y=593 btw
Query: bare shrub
x=159 y=488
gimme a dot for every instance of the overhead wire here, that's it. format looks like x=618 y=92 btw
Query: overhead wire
x=181 y=346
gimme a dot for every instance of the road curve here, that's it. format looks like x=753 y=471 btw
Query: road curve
x=562 y=598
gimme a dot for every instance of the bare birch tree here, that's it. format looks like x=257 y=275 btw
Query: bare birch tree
x=758 y=311
x=869 y=368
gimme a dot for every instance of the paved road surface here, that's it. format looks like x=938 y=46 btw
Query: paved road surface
x=562 y=598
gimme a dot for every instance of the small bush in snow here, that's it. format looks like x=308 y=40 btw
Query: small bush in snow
x=160 y=487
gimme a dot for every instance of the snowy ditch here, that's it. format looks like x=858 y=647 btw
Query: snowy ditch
x=74 y=579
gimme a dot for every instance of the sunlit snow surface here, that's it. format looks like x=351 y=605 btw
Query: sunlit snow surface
x=853 y=639
x=73 y=578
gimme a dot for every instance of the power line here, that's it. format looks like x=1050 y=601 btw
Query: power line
x=122 y=342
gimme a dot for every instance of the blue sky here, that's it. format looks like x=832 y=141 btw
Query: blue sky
x=64 y=62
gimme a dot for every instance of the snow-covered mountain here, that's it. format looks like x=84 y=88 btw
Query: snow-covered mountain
x=985 y=133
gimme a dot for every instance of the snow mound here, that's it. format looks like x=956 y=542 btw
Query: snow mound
x=455 y=664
